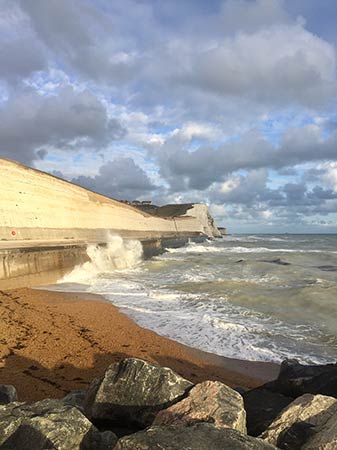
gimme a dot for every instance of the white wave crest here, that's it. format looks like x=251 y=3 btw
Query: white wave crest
x=200 y=248
x=117 y=254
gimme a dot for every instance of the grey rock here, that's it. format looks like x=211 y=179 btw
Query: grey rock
x=75 y=398
x=296 y=379
x=8 y=394
x=210 y=401
x=328 y=268
x=292 y=369
x=276 y=261
x=48 y=424
x=309 y=421
x=201 y=436
x=132 y=392
x=262 y=407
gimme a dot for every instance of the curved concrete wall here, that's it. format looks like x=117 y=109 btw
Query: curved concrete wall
x=38 y=206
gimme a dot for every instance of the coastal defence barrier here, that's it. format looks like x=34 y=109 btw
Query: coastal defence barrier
x=46 y=224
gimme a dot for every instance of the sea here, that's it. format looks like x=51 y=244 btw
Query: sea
x=251 y=297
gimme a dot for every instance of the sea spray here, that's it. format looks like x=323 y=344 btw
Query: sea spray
x=117 y=254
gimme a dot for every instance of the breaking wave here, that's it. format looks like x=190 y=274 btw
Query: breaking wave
x=201 y=248
x=117 y=254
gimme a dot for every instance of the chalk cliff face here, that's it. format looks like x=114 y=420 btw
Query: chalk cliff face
x=202 y=215
x=38 y=206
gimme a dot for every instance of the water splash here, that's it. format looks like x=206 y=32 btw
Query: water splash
x=118 y=254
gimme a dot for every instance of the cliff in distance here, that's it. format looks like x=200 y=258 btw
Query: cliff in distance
x=36 y=206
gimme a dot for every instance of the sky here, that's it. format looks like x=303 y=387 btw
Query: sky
x=230 y=103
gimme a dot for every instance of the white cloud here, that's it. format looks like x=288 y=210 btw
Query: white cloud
x=329 y=175
x=191 y=130
x=229 y=185
x=267 y=214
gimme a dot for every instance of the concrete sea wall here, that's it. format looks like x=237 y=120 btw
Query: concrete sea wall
x=46 y=223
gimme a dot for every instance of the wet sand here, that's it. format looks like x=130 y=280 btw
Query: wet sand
x=52 y=343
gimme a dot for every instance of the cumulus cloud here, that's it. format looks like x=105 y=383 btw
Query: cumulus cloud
x=245 y=189
x=30 y=122
x=198 y=169
x=121 y=179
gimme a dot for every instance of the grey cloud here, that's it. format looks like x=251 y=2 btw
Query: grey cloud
x=247 y=190
x=247 y=15
x=19 y=59
x=21 y=54
x=120 y=179
x=71 y=120
x=58 y=173
x=200 y=168
x=84 y=37
x=42 y=153
x=319 y=193
x=184 y=169
x=265 y=68
x=295 y=193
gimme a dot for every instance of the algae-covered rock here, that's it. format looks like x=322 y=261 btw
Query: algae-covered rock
x=201 y=436
x=210 y=401
x=48 y=424
x=133 y=391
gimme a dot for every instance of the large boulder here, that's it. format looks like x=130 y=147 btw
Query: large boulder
x=48 y=424
x=210 y=401
x=8 y=394
x=201 y=436
x=308 y=419
x=132 y=391
x=262 y=407
x=296 y=379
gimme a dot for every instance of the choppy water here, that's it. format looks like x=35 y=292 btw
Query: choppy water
x=263 y=297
